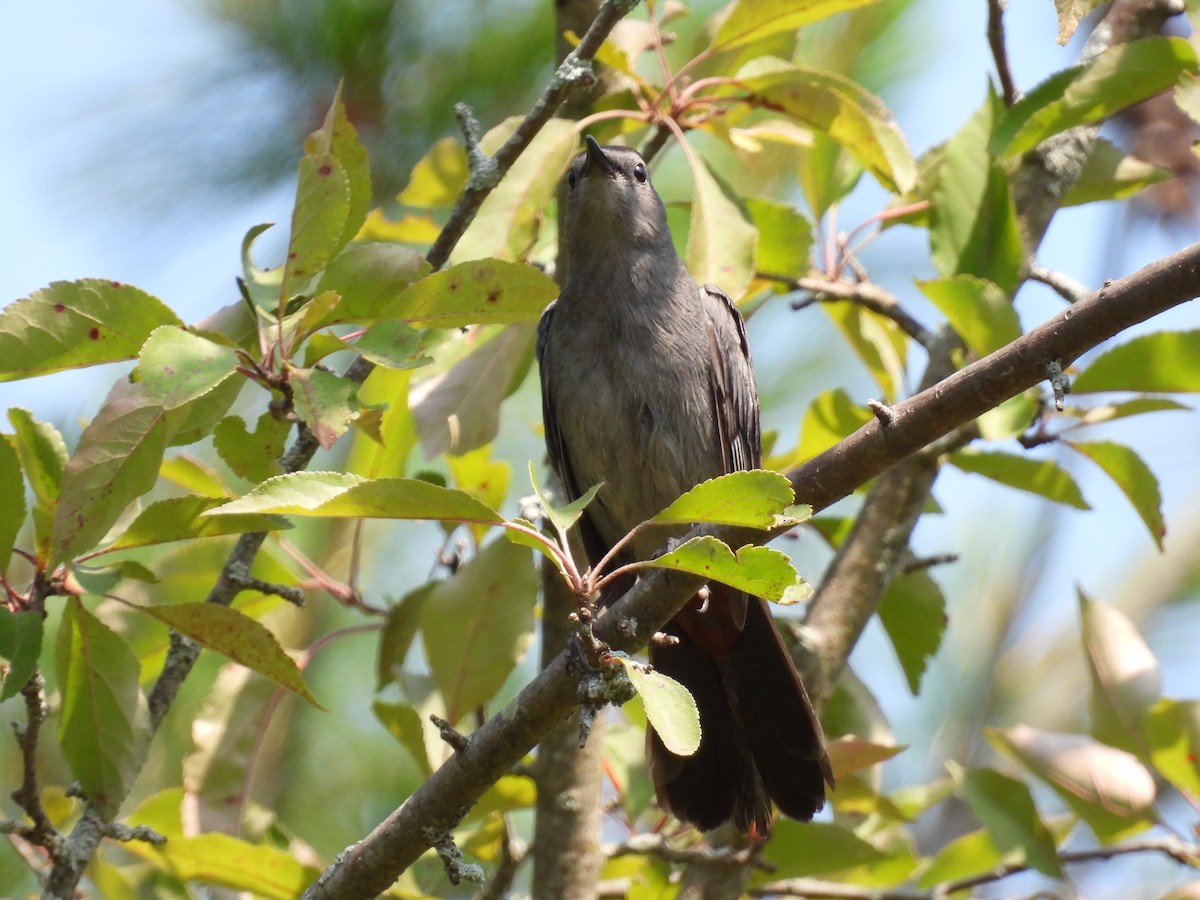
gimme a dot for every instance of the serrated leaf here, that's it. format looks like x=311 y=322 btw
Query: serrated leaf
x=180 y=519
x=913 y=613
x=226 y=861
x=756 y=498
x=476 y=625
x=1111 y=174
x=748 y=21
x=1172 y=729
x=42 y=452
x=563 y=517
x=720 y=242
x=253 y=455
x=438 y=177
x=20 y=647
x=237 y=636
x=12 y=489
x=318 y=220
x=404 y=724
x=1106 y=787
x=761 y=571
x=178 y=366
x=103 y=727
x=542 y=545
x=1005 y=806
x=1121 y=76
x=323 y=401
x=486 y=291
x=831 y=103
x=1164 y=361
x=337 y=137
x=340 y=495
x=1043 y=477
x=804 y=849
x=1131 y=474
x=981 y=313
x=71 y=324
x=669 y=707
x=368 y=278
x=1125 y=677
x=785 y=237
x=115 y=462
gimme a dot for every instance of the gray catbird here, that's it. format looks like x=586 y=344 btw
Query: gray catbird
x=647 y=387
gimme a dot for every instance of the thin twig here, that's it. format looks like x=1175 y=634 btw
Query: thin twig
x=996 y=40
x=1064 y=285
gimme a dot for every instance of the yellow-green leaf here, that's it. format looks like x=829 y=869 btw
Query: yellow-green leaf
x=1163 y=361
x=1131 y=474
x=977 y=310
x=1043 y=477
x=756 y=499
x=669 y=706
x=761 y=571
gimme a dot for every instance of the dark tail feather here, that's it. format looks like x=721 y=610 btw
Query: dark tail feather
x=760 y=739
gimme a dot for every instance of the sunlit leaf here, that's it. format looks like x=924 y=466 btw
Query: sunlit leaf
x=756 y=499
x=20 y=647
x=1011 y=418
x=318 y=220
x=831 y=416
x=970 y=854
x=803 y=849
x=482 y=477
x=876 y=340
x=1172 y=729
x=913 y=614
x=486 y=291
x=1163 y=361
x=747 y=21
x=1043 y=477
x=785 y=237
x=761 y=571
x=438 y=177
x=253 y=455
x=1069 y=14
x=368 y=278
x=1131 y=474
x=103 y=724
x=977 y=310
x=229 y=862
x=323 y=401
x=1107 y=412
x=337 y=137
x=179 y=519
x=395 y=345
x=178 y=366
x=76 y=323
x=848 y=755
x=720 y=243
x=1111 y=174
x=669 y=706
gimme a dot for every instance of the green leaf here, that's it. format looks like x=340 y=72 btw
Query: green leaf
x=43 y=454
x=803 y=849
x=476 y=625
x=1107 y=412
x=913 y=614
x=486 y=291
x=970 y=854
x=973 y=226
x=981 y=313
x=1172 y=728
x=196 y=419
x=827 y=174
x=103 y=724
x=1133 y=477
x=484 y=478
x=337 y=137
x=1121 y=76
x=747 y=21
x=12 y=489
x=831 y=103
x=20 y=647
x=876 y=340
x=669 y=706
x=1043 y=477
x=405 y=724
x=229 y=862
x=368 y=278
x=1005 y=806
x=253 y=455
x=178 y=366
x=339 y=495
x=831 y=417
x=439 y=177
x=510 y=218
x=399 y=630
x=1125 y=678
x=563 y=517
x=785 y=237
x=755 y=499
x=761 y=571
x=318 y=220
x=115 y=462
x=720 y=243
x=235 y=635
x=1108 y=788
x=180 y=519
x=323 y=401
x=1110 y=174
x=1011 y=418
x=1163 y=361
x=395 y=345
x=71 y=324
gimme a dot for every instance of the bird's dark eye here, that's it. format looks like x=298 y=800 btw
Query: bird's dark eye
x=572 y=177
x=639 y=172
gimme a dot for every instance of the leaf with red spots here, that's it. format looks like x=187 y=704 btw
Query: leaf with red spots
x=483 y=292
x=237 y=636
x=338 y=138
x=323 y=401
x=72 y=324
x=318 y=221
x=762 y=571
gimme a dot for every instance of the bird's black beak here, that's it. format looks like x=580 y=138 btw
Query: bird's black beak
x=597 y=160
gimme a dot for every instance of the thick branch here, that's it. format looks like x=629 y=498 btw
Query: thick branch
x=371 y=865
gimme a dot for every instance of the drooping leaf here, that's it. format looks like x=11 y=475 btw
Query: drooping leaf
x=1107 y=412
x=669 y=706
x=756 y=499
x=337 y=137
x=405 y=725
x=323 y=401
x=103 y=724
x=399 y=630
x=439 y=177
x=71 y=324
x=761 y=571
x=1108 y=788
x=1131 y=474
x=476 y=625
x=831 y=103
x=1125 y=677
x=1043 y=477
x=876 y=340
x=785 y=237
x=804 y=849
x=1124 y=74
x=115 y=462
x=318 y=220
x=178 y=366
x=179 y=519
x=1163 y=361
x=1111 y=174
x=225 y=861
x=913 y=614
x=236 y=635
x=20 y=647
x=977 y=310
x=368 y=278
x=748 y=21
x=1005 y=806
x=481 y=292
x=720 y=243
x=340 y=495
x=253 y=455
x=12 y=489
